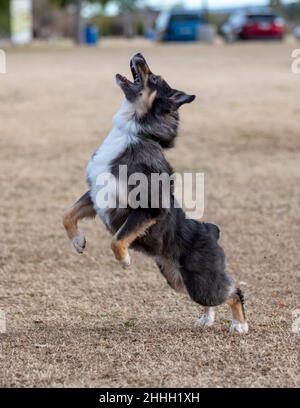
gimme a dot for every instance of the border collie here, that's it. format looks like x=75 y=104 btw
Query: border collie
x=186 y=251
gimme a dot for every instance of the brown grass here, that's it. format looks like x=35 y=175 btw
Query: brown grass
x=82 y=320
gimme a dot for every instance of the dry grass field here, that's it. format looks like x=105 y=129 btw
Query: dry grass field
x=82 y=320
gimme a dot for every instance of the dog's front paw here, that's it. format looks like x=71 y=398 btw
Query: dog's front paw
x=79 y=243
x=121 y=253
x=207 y=320
x=238 y=327
x=125 y=262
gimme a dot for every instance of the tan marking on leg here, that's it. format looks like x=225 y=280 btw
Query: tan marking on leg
x=120 y=247
x=237 y=309
x=83 y=208
x=76 y=213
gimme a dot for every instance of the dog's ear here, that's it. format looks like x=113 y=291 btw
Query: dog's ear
x=180 y=98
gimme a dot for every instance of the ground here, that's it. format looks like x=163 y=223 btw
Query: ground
x=82 y=320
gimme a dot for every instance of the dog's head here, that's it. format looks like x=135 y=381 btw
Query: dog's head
x=154 y=102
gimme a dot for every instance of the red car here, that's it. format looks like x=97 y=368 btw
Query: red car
x=246 y=26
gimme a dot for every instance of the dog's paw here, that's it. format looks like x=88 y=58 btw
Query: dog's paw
x=207 y=320
x=79 y=243
x=125 y=262
x=238 y=327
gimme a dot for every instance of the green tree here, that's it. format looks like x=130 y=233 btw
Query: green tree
x=127 y=7
x=78 y=23
x=293 y=10
x=127 y=4
x=205 y=10
x=4 y=17
x=276 y=4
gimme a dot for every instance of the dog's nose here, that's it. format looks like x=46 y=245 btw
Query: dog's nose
x=139 y=56
x=139 y=61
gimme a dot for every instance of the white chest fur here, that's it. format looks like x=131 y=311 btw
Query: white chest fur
x=122 y=134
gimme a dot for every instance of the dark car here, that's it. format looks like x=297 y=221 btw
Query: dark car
x=178 y=25
x=253 y=26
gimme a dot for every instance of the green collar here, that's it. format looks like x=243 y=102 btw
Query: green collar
x=147 y=136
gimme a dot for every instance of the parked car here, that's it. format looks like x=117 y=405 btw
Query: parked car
x=254 y=25
x=178 y=25
x=297 y=32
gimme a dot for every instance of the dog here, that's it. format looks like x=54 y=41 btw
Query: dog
x=186 y=251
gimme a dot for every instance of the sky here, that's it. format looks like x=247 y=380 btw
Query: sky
x=211 y=3
x=161 y=4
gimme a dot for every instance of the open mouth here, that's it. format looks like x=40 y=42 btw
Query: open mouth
x=135 y=75
x=123 y=80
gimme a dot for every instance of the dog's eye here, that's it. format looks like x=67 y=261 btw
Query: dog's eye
x=154 y=79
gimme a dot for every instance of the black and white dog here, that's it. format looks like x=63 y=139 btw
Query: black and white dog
x=186 y=251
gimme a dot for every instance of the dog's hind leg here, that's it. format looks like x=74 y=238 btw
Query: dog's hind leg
x=134 y=227
x=207 y=319
x=83 y=208
x=171 y=271
x=236 y=302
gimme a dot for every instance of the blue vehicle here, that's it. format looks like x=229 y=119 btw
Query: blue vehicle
x=178 y=25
